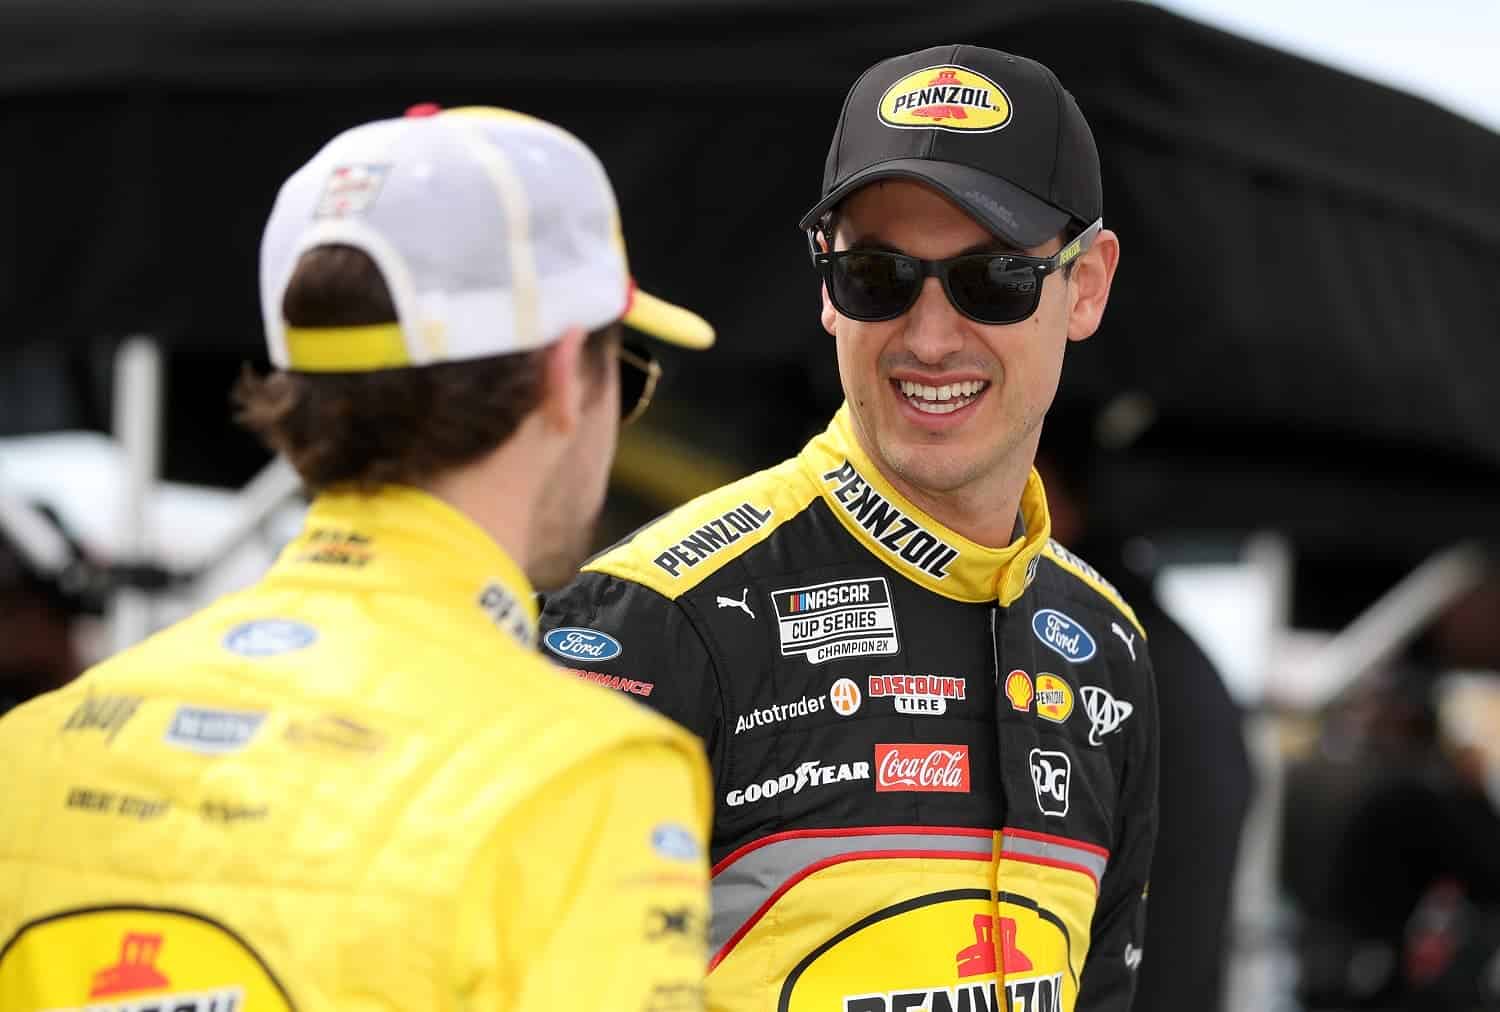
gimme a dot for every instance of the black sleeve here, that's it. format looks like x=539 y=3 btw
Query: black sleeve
x=1205 y=789
x=1119 y=929
x=661 y=661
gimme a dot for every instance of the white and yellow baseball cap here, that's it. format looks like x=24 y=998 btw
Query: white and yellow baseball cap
x=495 y=233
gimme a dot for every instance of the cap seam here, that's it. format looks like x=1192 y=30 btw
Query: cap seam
x=932 y=134
x=838 y=134
x=1057 y=143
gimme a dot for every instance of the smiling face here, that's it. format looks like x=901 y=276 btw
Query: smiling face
x=950 y=410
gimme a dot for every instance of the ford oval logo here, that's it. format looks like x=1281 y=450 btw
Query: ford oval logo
x=269 y=637
x=675 y=841
x=583 y=644
x=1062 y=634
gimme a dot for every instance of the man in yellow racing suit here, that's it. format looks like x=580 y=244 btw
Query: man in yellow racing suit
x=324 y=792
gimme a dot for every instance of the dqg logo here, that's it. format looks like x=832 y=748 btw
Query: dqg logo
x=583 y=644
x=1064 y=635
x=1051 y=775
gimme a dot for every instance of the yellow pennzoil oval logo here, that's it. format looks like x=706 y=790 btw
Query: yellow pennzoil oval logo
x=1054 y=698
x=945 y=98
x=954 y=950
x=134 y=959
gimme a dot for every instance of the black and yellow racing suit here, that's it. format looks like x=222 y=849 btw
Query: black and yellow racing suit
x=934 y=762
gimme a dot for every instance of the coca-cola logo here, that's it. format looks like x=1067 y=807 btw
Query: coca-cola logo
x=910 y=767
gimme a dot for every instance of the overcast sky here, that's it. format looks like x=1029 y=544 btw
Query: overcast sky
x=1446 y=51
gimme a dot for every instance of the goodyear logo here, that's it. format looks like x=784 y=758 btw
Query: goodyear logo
x=945 y=98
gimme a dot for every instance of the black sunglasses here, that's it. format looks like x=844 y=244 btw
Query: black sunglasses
x=639 y=374
x=993 y=288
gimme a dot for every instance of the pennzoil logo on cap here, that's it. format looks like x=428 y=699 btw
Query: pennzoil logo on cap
x=945 y=98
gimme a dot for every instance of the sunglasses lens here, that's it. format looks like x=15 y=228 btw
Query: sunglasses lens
x=638 y=374
x=989 y=290
x=873 y=285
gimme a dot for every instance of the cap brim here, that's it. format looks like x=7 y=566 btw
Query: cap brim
x=662 y=320
x=1005 y=209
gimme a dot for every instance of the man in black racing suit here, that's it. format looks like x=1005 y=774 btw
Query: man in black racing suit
x=932 y=728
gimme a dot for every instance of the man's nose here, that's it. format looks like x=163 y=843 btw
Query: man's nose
x=934 y=329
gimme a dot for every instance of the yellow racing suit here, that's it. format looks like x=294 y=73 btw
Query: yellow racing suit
x=353 y=786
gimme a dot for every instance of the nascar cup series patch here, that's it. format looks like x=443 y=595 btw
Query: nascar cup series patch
x=845 y=618
x=945 y=98
x=134 y=959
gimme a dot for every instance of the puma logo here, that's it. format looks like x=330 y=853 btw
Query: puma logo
x=742 y=604
x=1115 y=628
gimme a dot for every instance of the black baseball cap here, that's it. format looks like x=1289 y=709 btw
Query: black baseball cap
x=997 y=134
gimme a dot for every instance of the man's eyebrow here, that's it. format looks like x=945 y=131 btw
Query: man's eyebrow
x=875 y=242
x=995 y=246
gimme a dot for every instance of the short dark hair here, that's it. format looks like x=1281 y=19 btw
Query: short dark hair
x=391 y=426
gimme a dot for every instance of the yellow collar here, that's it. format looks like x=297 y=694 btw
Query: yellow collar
x=913 y=543
x=405 y=540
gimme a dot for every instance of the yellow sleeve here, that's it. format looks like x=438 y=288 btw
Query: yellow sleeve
x=602 y=894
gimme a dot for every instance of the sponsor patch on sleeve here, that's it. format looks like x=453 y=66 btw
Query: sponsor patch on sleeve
x=584 y=645
x=212 y=731
x=1062 y=634
x=269 y=637
x=676 y=842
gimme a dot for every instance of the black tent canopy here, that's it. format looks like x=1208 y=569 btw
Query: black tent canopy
x=1307 y=295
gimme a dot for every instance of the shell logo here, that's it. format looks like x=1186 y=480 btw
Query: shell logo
x=1018 y=690
x=945 y=98
x=1054 y=698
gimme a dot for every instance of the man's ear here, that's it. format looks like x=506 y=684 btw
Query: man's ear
x=566 y=385
x=829 y=315
x=1093 y=273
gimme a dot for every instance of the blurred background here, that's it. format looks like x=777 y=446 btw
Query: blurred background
x=1284 y=443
